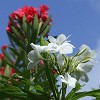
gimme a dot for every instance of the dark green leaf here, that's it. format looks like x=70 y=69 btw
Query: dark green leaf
x=45 y=24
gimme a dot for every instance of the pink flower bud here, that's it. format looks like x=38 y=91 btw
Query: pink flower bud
x=41 y=62
x=4 y=47
x=2 y=70
x=8 y=29
x=2 y=56
x=54 y=71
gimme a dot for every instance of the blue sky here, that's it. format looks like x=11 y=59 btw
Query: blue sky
x=80 y=18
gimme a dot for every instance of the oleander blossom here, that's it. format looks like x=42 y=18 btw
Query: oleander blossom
x=60 y=44
x=67 y=79
x=83 y=68
x=34 y=56
x=29 y=12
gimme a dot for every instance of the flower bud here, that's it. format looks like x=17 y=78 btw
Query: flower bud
x=4 y=47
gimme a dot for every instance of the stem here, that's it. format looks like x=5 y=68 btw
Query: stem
x=63 y=91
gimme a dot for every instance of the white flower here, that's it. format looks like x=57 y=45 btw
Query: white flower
x=68 y=80
x=88 y=53
x=60 y=44
x=34 y=55
x=82 y=70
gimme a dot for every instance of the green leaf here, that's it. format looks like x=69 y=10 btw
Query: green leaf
x=14 y=51
x=44 y=32
x=45 y=24
x=17 y=41
x=24 y=24
x=50 y=80
x=8 y=58
x=7 y=70
x=93 y=93
x=43 y=41
x=7 y=91
x=35 y=24
x=16 y=70
x=39 y=73
x=16 y=27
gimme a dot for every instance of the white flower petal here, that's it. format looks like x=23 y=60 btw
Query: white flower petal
x=93 y=54
x=52 y=39
x=30 y=65
x=61 y=38
x=60 y=60
x=83 y=47
x=84 y=77
x=35 y=46
x=85 y=67
x=71 y=81
x=66 y=48
x=76 y=75
x=62 y=79
x=31 y=55
x=52 y=47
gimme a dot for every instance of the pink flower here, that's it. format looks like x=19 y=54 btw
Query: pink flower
x=43 y=9
x=29 y=12
x=4 y=47
x=41 y=62
x=2 y=70
x=1 y=56
x=8 y=29
x=44 y=18
x=12 y=71
x=29 y=18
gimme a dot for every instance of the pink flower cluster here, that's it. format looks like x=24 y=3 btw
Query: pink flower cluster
x=29 y=12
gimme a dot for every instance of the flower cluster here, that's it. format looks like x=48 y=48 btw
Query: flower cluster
x=59 y=46
x=29 y=13
x=71 y=69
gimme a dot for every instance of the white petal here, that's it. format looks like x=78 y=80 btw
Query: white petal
x=84 y=77
x=60 y=60
x=71 y=81
x=31 y=55
x=52 y=47
x=43 y=48
x=66 y=48
x=62 y=79
x=61 y=38
x=76 y=75
x=85 y=67
x=34 y=46
x=93 y=54
x=83 y=47
x=30 y=65
x=52 y=39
